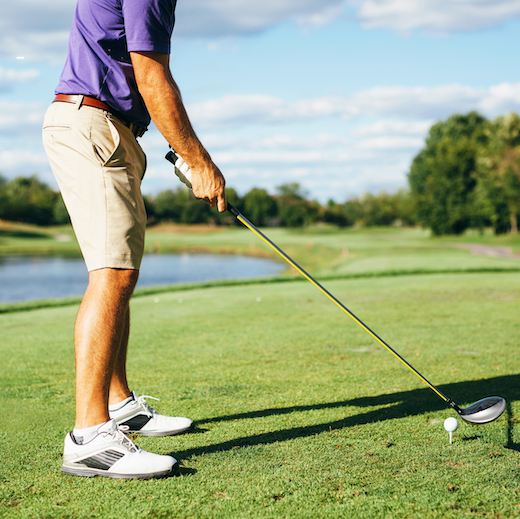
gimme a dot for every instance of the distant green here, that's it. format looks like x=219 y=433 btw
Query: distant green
x=322 y=248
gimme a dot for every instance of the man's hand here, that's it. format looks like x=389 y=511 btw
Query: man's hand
x=208 y=185
x=163 y=100
x=183 y=171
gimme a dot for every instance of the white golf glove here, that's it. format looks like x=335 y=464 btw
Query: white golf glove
x=182 y=170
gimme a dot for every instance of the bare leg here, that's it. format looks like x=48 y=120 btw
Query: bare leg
x=119 y=389
x=101 y=329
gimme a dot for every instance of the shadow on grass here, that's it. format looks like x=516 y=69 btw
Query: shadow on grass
x=400 y=405
x=511 y=444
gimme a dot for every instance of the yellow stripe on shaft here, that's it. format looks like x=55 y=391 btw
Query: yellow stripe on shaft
x=251 y=227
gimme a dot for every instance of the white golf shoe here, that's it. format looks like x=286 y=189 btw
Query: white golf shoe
x=112 y=454
x=141 y=418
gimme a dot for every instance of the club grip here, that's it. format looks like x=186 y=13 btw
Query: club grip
x=233 y=210
x=172 y=157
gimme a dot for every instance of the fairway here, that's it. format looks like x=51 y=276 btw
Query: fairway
x=298 y=411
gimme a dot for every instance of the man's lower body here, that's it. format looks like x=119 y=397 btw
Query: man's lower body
x=99 y=165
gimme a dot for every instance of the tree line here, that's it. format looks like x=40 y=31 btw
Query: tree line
x=466 y=176
x=289 y=207
x=29 y=200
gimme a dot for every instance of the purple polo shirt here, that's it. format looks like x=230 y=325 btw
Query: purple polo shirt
x=103 y=34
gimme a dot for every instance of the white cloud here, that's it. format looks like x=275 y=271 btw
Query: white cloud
x=237 y=110
x=419 y=102
x=34 y=29
x=324 y=175
x=39 y=30
x=280 y=156
x=364 y=142
x=17 y=118
x=435 y=16
x=322 y=17
x=216 y=18
x=326 y=150
x=8 y=78
x=391 y=142
x=23 y=160
x=371 y=135
x=290 y=142
x=327 y=165
x=504 y=97
x=388 y=126
x=431 y=103
x=437 y=102
x=37 y=47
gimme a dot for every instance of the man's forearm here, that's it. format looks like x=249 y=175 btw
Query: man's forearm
x=163 y=100
x=164 y=103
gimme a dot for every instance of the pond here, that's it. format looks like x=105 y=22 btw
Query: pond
x=27 y=278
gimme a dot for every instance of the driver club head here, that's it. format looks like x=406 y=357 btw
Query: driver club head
x=483 y=411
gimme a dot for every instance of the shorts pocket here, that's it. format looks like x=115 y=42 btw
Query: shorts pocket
x=105 y=139
x=53 y=134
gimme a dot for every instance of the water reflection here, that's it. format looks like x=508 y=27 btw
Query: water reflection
x=26 y=278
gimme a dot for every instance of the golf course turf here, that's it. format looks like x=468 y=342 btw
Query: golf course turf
x=298 y=411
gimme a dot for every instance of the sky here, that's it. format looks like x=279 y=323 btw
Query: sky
x=336 y=95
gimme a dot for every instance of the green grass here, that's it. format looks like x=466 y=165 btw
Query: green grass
x=322 y=250
x=29 y=239
x=328 y=250
x=299 y=413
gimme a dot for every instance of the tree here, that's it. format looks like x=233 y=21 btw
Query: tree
x=259 y=206
x=4 y=200
x=334 y=213
x=196 y=211
x=28 y=200
x=169 y=205
x=404 y=207
x=353 y=211
x=60 y=214
x=293 y=209
x=500 y=171
x=443 y=175
x=379 y=209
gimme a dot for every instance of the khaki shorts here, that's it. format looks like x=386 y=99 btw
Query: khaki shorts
x=98 y=165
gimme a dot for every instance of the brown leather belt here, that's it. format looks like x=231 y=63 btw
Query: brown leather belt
x=138 y=131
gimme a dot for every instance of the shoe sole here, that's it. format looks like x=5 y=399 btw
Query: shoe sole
x=91 y=473
x=162 y=433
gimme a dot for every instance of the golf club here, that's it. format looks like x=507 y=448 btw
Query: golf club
x=483 y=411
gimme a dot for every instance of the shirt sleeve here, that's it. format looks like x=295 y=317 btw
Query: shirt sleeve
x=149 y=24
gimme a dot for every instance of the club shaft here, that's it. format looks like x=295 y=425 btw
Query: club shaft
x=241 y=218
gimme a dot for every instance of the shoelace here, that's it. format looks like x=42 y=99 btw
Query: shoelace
x=124 y=440
x=141 y=400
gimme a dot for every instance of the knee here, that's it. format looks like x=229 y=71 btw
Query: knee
x=126 y=279
x=117 y=281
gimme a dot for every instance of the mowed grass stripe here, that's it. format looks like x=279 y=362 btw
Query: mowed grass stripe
x=299 y=412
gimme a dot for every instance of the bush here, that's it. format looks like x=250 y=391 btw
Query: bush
x=28 y=200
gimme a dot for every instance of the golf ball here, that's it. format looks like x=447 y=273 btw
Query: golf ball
x=451 y=424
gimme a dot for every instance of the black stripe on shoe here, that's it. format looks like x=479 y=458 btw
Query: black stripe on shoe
x=137 y=422
x=103 y=460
